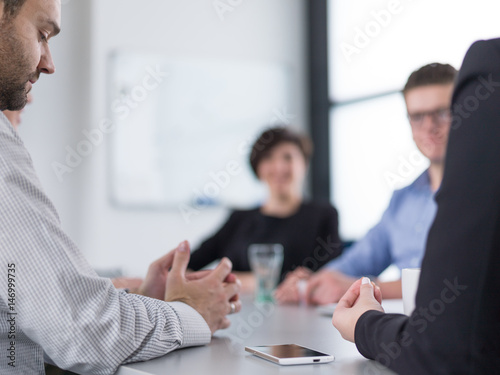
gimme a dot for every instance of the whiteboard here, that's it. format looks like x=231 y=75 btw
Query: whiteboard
x=183 y=128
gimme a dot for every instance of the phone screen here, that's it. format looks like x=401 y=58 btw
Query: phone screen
x=288 y=351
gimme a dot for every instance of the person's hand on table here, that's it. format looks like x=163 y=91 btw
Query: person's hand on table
x=362 y=296
x=288 y=291
x=214 y=294
x=327 y=287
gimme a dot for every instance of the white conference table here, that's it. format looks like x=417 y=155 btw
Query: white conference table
x=266 y=325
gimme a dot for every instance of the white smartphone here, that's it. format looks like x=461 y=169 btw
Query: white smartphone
x=290 y=354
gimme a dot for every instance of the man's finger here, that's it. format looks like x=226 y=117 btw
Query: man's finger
x=287 y=286
x=302 y=272
x=237 y=307
x=281 y=294
x=232 y=289
x=351 y=295
x=378 y=294
x=231 y=278
x=234 y=298
x=165 y=262
x=181 y=260
x=223 y=269
x=197 y=275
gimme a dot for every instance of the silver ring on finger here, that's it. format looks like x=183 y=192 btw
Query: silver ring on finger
x=233 y=308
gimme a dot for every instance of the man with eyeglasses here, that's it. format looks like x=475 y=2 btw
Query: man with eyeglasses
x=400 y=236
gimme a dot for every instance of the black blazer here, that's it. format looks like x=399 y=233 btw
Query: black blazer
x=455 y=328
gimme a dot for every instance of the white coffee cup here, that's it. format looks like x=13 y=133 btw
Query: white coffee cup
x=410 y=278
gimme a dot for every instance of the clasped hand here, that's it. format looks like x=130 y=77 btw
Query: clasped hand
x=323 y=287
x=213 y=293
x=362 y=296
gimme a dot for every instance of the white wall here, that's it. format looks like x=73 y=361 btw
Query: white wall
x=60 y=108
x=75 y=99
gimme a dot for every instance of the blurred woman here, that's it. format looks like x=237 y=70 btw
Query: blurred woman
x=308 y=231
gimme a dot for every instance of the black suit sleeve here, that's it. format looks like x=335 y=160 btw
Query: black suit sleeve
x=455 y=328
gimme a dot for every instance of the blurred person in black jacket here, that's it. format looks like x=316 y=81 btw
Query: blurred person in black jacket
x=308 y=231
x=455 y=327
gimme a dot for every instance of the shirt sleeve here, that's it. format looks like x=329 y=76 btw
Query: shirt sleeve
x=78 y=318
x=370 y=255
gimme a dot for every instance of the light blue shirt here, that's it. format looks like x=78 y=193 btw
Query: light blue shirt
x=400 y=236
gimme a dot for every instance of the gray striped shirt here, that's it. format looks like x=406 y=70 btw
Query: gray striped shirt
x=51 y=300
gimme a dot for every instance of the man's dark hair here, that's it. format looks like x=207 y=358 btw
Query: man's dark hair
x=431 y=74
x=11 y=8
x=275 y=136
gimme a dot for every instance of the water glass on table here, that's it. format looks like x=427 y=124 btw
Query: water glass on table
x=265 y=261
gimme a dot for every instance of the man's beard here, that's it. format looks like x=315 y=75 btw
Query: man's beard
x=14 y=69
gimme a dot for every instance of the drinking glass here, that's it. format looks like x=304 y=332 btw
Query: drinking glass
x=265 y=261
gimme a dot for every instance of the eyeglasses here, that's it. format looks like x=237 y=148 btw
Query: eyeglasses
x=439 y=116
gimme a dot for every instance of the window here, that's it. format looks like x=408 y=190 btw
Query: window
x=373 y=47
